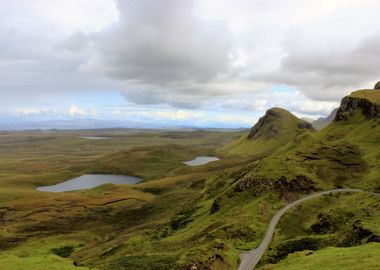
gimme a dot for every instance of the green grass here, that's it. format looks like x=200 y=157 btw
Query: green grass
x=109 y=217
x=147 y=162
x=39 y=255
x=340 y=220
x=353 y=258
x=275 y=129
x=182 y=216
x=371 y=95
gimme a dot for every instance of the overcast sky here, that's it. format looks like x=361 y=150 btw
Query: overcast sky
x=218 y=63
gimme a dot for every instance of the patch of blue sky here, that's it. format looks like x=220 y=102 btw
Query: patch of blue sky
x=282 y=88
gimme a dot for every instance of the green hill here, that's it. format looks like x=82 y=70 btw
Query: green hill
x=275 y=129
x=200 y=217
x=344 y=154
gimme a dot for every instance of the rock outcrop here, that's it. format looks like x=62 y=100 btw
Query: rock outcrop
x=350 y=104
x=377 y=86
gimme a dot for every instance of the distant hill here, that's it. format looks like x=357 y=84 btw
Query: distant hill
x=322 y=122
x=275 y=129
x=200 y=217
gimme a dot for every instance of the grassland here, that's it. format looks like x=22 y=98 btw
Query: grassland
x=105 y=218
x=353 y=258
x=183 y=217
x=39 y=254
x=371 y=95
x=339 y=220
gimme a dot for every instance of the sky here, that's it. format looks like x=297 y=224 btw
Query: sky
x=206 y=63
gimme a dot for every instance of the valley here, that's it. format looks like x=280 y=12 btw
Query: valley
x=189 y=135
x=197 y=217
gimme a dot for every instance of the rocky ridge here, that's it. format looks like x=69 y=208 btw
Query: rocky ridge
x=351 y=103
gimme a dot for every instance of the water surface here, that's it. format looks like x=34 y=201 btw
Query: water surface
x=97 y=138
x=200 y=161
x=90 y=181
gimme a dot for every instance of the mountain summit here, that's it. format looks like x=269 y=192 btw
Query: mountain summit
x=277 y=122
x=275 y=129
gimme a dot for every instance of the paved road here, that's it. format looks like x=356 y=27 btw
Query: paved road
x=249 y=260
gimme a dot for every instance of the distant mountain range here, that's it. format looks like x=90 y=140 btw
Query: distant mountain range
x=324 y=121
x=74 y=124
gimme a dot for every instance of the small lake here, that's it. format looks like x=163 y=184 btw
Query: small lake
x=96 y=138
x=200 y=161
x=88 y=181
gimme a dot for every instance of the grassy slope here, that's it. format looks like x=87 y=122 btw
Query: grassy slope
x=336 y=220
x=341 y=155
x=285 y=127
x=353 y=258
x=345 y=154
x=37 y=255
x=371 y=95
x=203 y=216
x=108 y=212
x=147 y=162
x=154 y=223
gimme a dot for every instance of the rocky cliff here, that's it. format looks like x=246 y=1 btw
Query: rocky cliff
x=365 y=101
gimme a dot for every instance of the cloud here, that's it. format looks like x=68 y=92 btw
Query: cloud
x=182 y=53
x=218 y=55
x=75 y=111
x=329 y=54
x=167 y=115
x=72 y=111
x=32 y=111
x=161 y=42
x=164 y=52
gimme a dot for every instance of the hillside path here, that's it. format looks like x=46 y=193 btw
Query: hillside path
x=248 y=260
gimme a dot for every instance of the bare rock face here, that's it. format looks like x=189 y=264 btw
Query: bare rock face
x=305 y=125
x=350 y=104
x=266 y=120
x=377 y=86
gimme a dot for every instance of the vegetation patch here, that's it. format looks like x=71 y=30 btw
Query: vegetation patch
x=152 y=262
x=63 y=252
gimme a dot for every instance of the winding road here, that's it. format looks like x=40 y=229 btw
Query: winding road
x=248 y=260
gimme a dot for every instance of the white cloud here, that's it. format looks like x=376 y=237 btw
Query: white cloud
x=208 y=55
x=48 y=112
x=243 y=120
x=32 y=111
x=313 y=107
x=75 y=111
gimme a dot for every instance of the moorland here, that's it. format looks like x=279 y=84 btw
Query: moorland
x=196 y=217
